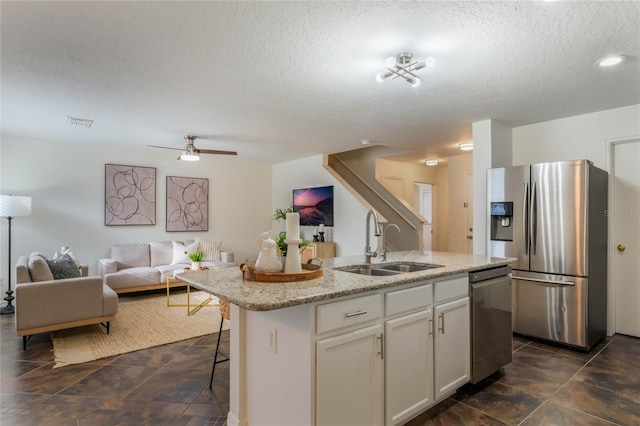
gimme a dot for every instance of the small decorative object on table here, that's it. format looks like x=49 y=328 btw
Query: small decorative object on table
x=196 y=260
x=321 y=232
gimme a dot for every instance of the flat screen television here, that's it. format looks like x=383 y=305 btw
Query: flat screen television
x=315 y=205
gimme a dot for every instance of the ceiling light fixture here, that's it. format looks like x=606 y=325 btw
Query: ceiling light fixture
x=466 y=146
x=403 y=66
x=190 y=153
x=612 y=60
x=431 y=163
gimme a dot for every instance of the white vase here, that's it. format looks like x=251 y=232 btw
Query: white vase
x=195 y=266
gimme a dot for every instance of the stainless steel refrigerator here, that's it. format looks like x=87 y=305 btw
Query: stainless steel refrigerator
x=551 y=217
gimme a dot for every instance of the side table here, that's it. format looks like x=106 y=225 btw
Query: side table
x=171 y=279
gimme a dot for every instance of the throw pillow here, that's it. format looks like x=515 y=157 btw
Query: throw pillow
x=63 y=267
x=181 y=252
x=38 y=268
x=63 y=251
x=211 y=248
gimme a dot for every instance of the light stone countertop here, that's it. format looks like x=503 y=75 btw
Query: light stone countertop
x=266 y=296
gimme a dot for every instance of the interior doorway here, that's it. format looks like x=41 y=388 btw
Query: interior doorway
x=423 y=201
x=624 y=239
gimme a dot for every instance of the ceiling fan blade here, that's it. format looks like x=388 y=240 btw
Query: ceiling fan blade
x=166 y=147
x=213 y=151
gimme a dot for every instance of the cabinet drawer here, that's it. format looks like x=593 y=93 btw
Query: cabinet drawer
x=451 y=289
x=333 y=316
x=408 y=299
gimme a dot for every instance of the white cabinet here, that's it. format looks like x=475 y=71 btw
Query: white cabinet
x=349 y=378
x=367 y=377
x=452 y=346
x=408 y=366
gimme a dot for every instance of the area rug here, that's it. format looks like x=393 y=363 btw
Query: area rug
x=142 y=322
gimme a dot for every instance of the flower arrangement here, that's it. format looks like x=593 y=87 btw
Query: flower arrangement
x=196 y=256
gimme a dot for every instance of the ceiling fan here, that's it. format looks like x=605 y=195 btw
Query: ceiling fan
x=191 y=153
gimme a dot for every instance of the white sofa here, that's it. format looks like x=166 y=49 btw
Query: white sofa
x=145 y=266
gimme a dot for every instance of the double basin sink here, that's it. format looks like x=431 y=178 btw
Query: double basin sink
x=384 y=269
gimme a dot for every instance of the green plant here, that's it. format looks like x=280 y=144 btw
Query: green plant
x=196 y=256
x=281 y=214
x=283 y=246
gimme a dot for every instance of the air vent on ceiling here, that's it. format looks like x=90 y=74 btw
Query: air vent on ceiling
x=79 y=122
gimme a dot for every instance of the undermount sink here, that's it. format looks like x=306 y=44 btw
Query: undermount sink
x=407 y=266
x=383 y=269
x=367 y=270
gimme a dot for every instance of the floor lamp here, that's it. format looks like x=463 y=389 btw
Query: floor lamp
x=10 y=207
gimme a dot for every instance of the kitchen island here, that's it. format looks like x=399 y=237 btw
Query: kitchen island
x=347 y=348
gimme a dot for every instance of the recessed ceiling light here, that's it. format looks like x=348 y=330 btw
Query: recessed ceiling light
x=365 y=142
x=431 y=163
x=466 y=146
x=611 y=60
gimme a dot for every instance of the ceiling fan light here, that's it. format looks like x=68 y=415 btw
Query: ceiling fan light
x=185 y=156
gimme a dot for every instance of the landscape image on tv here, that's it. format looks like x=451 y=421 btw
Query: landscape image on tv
x=315 y=205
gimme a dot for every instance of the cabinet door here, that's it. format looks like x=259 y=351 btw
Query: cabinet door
x=452 y=346
x=309 y=252
x=349 y=379
x=408 y=366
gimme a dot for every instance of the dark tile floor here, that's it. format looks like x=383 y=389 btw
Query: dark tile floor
x=549 y=385
x=165 y=385
x=168 y=385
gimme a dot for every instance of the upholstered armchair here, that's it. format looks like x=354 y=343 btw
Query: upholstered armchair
x=44 y=304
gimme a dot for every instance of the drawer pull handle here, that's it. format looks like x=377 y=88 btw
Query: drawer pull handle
x=355 y=314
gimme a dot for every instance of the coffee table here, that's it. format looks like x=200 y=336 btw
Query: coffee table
x=172 y=279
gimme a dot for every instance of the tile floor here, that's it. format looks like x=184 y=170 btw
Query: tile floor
x=168 y=385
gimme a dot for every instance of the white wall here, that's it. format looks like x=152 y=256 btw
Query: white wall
x=574 y=138
x=349 y=213
x=66 y=181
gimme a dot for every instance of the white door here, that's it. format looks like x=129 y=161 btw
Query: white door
x=349 y=379
x=451 y=347
x=625 y=214
x=408 y=366
x=425 y=206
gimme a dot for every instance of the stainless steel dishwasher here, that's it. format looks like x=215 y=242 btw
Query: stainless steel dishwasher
x=491 y=329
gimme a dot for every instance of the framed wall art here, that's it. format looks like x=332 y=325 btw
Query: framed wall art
x=187 y=204
x=130 y=195
x=315 y=205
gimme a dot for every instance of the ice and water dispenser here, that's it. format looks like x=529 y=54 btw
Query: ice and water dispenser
x=502 y=221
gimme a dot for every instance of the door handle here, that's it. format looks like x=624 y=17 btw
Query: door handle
x=621 y=247
x=525 y=218
x=533 y=219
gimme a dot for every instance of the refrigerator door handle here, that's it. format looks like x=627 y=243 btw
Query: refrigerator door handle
x=536 y=280
x=533 y=219
x=525 y=221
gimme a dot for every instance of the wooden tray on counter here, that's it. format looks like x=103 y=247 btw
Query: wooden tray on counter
x=310 y=271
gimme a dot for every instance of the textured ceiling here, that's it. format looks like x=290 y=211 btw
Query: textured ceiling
x=277 y=81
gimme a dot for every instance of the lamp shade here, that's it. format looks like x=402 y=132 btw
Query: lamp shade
x=13 y=206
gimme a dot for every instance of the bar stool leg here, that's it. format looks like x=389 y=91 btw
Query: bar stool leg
x=215 y=357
